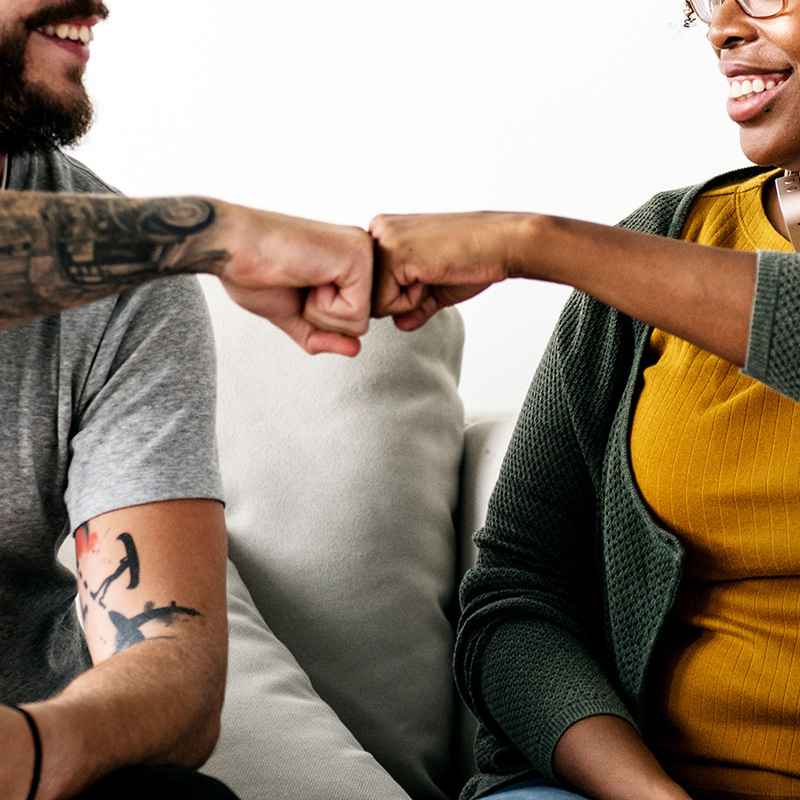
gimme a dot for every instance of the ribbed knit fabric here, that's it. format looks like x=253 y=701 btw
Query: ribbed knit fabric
x=575 y=578
x=716 y=456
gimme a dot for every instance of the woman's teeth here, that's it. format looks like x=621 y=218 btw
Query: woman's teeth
x=741 y=90
x=75 y=33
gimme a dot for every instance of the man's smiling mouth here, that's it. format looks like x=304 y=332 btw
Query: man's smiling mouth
x=74 y=33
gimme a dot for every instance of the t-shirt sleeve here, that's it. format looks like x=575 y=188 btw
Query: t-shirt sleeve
x=143 y=418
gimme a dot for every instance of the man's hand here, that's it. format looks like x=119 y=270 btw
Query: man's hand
x=425 y=262
x=311 y=279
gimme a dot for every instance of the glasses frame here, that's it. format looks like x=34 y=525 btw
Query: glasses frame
x=743 y=4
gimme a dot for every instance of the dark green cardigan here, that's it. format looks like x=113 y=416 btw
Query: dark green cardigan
x=574 y=578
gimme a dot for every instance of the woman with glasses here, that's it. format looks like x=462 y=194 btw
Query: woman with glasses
x=632 y=627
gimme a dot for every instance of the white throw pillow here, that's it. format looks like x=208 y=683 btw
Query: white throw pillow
x=279 y=740
x=341 y=477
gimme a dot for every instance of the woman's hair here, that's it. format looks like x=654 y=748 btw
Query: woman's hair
x=689 y=16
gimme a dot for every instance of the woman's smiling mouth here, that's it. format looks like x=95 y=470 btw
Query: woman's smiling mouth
x=751 y=94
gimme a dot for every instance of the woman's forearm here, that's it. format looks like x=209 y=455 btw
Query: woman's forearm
x=702 y=294
x=604 y=758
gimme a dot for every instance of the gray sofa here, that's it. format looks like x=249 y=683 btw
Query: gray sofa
x=353 y=488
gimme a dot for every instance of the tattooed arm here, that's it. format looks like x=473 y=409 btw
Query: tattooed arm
x=311 y=279
x=152 y=590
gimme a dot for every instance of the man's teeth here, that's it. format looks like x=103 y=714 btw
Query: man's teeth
x=76 y=33
x=747 y=88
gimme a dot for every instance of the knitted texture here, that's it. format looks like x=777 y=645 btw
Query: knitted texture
x=774 y=333
x=574 y=578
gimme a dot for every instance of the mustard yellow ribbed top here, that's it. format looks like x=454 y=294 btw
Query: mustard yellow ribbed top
x=716 y=456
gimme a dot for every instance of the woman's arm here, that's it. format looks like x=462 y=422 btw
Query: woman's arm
x=530 y=636
x=603 y=757
x=702 y=294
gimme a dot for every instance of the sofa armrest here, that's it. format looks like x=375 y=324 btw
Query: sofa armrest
x=485 y=444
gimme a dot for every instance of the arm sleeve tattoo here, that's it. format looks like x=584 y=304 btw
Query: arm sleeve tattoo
x=58 y=251
x=128 y=630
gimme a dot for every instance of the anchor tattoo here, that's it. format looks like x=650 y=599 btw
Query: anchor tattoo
x=130 y=563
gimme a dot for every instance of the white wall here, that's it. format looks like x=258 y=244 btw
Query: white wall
x=340 y=109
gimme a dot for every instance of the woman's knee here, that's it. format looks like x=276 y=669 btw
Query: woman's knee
x=534 y=789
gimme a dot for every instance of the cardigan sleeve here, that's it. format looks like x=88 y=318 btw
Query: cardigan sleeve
x=529 y=653
x=773 y=350
x=773 y=353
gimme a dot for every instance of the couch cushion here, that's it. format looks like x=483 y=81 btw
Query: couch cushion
x=341 y=478
x=279 y=739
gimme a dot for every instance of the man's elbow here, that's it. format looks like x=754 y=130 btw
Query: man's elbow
x=198 y=741
x=201 y=729
x=205 y=742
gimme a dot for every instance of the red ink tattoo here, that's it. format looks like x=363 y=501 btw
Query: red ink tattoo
x=85 y=540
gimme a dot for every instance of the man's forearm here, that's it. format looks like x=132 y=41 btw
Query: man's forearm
x=156 y=703
x=151 y=582
x=311 y=279
x=61 y=251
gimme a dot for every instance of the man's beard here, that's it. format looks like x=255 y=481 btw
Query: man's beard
x=31 y=117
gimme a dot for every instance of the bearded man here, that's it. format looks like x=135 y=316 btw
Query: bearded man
x=107 y=390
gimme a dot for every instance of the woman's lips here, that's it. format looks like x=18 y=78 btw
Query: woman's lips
x=750 y=95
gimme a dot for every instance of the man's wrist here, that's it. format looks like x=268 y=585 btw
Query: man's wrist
x=18 y=762
x=36 y=771
x=197 y=223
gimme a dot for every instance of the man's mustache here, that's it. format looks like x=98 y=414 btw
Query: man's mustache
x=67 y=11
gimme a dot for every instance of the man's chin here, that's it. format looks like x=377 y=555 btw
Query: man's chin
x=68 y=96
x=34 y=118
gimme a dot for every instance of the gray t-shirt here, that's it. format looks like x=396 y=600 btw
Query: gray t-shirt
x=105 y=406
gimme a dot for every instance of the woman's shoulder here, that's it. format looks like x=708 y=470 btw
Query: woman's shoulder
x=665 y=212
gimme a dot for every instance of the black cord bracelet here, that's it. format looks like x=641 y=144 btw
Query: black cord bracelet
x=37 y=750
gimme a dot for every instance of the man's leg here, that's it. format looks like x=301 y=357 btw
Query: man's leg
x=157 y=783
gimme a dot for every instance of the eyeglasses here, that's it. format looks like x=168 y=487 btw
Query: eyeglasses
x=753 y=8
